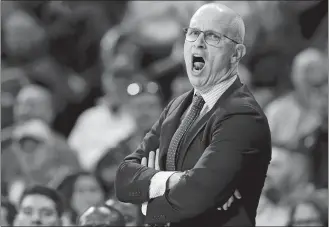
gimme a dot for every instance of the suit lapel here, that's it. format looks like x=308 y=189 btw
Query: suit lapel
x=172 y=122
x=197 y=126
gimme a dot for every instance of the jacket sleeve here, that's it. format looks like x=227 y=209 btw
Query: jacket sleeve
x=216 y=175
x=132 y=179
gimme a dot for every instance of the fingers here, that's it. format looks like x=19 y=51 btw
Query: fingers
x=151 y=159
x=230 y=201
x=156 y=165
x=144 y=161
x=227 y=204
x=237 y=194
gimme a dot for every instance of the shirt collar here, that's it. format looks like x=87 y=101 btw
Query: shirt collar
x=212 y=96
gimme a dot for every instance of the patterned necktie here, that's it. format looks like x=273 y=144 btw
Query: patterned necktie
x=188 y=120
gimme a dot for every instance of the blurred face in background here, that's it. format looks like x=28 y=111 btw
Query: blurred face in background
x=86 y=193
x=37 y=210
x=33 y=103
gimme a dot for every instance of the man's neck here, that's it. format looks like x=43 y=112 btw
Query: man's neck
x=230 y=73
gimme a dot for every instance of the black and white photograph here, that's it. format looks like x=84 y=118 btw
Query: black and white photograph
x=164 y=113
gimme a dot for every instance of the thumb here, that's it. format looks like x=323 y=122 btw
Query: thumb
x=237 y=194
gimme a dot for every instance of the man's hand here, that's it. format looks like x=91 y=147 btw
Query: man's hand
x=230 y=200
x=152 y=161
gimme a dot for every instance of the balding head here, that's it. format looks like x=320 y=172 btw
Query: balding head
x=221 y=46
x=33 y=102
x=229 y=22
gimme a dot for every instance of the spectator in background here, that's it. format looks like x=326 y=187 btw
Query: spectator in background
x=145 y=106
x=286 y=190
x=81 y=191
x=103 y=215
x=131 y=212
x=34 y=157
x=37 y=102
x=34 y=102
x=24 y=38
x=67 y=89
x=107 y=123
x=298 y=113
x=40 y=206
x=8 y=212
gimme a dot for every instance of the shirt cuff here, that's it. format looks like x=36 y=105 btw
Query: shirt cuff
x=144 y=208
x=158 y=183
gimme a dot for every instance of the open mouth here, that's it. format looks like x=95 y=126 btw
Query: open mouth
x=197 y=63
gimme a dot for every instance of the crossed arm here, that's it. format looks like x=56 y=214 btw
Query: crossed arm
x=169 y=182
x=232 y=150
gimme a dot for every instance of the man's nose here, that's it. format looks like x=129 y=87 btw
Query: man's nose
x=200 y=41
x=36 y=218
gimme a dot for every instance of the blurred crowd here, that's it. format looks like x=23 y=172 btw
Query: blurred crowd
x=83 y=81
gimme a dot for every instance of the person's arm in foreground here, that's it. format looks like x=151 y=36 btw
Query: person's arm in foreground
x=224 y=159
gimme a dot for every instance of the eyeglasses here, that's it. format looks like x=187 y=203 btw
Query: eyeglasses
x=212 y=38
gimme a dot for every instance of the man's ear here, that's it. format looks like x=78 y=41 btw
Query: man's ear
x=240 y=51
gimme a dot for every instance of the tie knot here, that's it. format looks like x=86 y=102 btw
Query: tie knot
x=198 y=101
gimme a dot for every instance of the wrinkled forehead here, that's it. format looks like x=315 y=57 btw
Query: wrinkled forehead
x=212 y=18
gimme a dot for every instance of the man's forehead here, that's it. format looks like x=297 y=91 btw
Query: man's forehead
x=212 y=19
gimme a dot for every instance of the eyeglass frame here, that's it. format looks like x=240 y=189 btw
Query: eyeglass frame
x=204 y=32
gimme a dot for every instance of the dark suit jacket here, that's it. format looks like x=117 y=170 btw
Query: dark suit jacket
x=228 y=148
